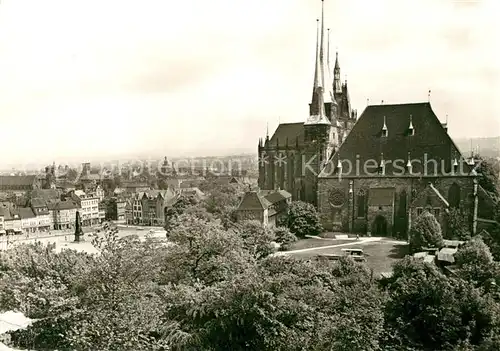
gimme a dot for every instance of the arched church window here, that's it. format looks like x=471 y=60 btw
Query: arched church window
x=402 y=204
x=336 y=198
x=361 y=203
x=454 y=196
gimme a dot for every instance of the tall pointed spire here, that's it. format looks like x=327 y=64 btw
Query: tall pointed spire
x=316 y=66
x=337 y=84
x=326 y=93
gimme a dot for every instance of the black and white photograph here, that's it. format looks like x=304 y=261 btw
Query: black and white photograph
x=262 y=175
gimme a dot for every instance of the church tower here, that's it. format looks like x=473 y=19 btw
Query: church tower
x=318 y=126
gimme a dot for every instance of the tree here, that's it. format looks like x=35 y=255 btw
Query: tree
x=106 y=301
x=457 y=227
x=430 y=311
x=302 y=219
x=425 y=232
x=284 y=237
x=475 y=262
x=257 y=239
x=488 y=176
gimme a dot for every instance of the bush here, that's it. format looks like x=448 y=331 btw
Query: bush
x=425 y=232
x=302 y=219
x=457 y=228
x=284 y=237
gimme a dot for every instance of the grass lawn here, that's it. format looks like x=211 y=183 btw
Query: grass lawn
x=380 y=255
x=311 y=242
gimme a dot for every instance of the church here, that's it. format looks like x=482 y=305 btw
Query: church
x=373 y=174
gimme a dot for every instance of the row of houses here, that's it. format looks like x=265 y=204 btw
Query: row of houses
x=148 y=207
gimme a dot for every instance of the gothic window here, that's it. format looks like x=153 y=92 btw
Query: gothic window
x=402 y=204
x=336 y=218
x=336 y=198
x=361 y=202
x=454 y=196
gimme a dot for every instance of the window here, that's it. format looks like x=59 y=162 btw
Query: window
x=361 y=202
x=437 y=212
x=420 y=210
x=454 y=195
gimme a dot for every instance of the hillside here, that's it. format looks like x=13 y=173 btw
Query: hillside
x=488 y=147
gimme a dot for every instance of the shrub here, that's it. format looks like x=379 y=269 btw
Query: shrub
x=425 y=232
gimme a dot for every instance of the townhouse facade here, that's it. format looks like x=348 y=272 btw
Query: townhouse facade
x=148 y=207
x=89 y=205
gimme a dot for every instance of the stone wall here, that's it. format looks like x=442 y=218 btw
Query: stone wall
x=396 y=216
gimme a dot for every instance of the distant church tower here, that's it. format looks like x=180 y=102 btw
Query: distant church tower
x=296 y=153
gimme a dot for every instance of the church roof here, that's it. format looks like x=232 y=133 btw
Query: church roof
x=290 y=131
x=366 y=142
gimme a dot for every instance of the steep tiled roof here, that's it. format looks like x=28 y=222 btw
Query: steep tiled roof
x=430 y=196
x=292 y=131
x=4 y=212
x=277 y=196
x=38 y=202
x=46 y=194
x=429 y=142
x=252 y=201
x=6 y=181
x=63 y=205
x=24 y=212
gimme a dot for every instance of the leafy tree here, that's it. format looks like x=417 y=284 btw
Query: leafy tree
x=489 y=177
x=302 y=219
x=457 y=227
x=106 y=301
x=425 y=232
x=430 y=311
x=284 y=237
x=475 y=262
x=173 y=212
x=492 y=239
x=257 y=239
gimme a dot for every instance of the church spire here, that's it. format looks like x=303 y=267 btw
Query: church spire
x=317 y=111
x=337 y=84
x=317 y=82
x=324 y=70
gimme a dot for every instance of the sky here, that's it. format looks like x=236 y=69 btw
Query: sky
x=94 y=78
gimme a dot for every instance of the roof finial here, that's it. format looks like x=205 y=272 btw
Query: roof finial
x=267 y=130
x=367 y=101
x=429 y=96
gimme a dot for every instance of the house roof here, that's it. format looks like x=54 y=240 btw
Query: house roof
x=253 y=201
x=38 y=202
x=5 y=212
x=6 y=181
x=277 y=196
x=24 y=212
x=290 y=131
x=429 y=193
x=63 y=205
x=46 y=194
x=429 y=142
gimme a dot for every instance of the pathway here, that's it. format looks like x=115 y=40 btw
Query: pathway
x=356 y=242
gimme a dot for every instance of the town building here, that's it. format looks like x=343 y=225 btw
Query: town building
x=19 y=184
x=29 y=222
x=283 y=155
x=267 y=207
x=148 y=207
x=4 y=214
x=89 y=205
x=120 y=210
x=64 y=214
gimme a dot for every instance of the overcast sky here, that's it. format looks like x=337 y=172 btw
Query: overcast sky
x=99 y=77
